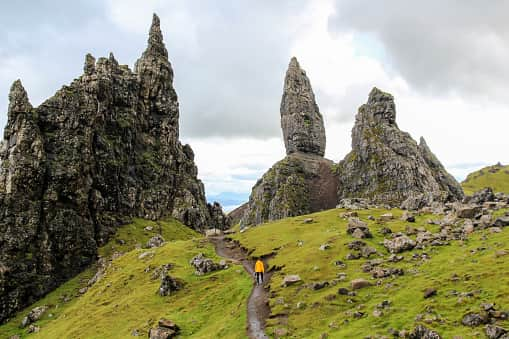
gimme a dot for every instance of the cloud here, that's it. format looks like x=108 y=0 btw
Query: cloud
x=438 y=46
x=229 y=60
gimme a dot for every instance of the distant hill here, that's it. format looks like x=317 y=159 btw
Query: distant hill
x=496 y=177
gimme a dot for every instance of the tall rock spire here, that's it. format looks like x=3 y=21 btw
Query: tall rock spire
x=156 y=82
x=155 y=39
x=301 y=121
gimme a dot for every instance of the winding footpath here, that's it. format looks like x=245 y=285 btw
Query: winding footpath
x=257 y=305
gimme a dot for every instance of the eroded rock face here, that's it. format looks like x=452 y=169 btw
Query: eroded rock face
x=386 y=165
x=301 y=121
x=102 y=150
x=299 y=184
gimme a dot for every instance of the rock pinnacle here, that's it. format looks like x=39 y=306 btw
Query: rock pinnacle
x=301 y=121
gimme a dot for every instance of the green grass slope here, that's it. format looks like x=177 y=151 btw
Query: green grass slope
x=209 y=306
x=496 y=177
x=325 y=311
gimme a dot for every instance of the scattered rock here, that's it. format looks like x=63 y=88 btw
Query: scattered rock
x=33 y=329
x=386 y=217
x=399 y=244
x=495 y=229
x=358 y=229
x=379 y=272
x=429 y=292
x=377 y=313
x=308 y=220
x=473 y=319
x=318 y=285
x=34 y=315
x=359 y=283
x=468 y=226
x=204 y=265
x=501 y=253
x=494 y=332
x=421 y=332
x=350 y=214
x=169 y=285
x=408 y=217
x=468 y=211
x=291 y=280
x=148 y=228
x=166 y=329
x=213 y=232
x=501 y=221
x=343 y=291
x=155 y=241
x=324 y=247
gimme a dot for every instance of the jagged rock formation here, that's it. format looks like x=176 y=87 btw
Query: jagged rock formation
x=101 y=150
x=301 y=121
x=386 y=165
x=303 y=182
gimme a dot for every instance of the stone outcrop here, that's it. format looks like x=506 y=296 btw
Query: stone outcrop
x=102 y=150
x=301 y=121
x=303 y=182
x=386 y=165
x=299 y=184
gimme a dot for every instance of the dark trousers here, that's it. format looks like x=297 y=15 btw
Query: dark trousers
x=259 y=278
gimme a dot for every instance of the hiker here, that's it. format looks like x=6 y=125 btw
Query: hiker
x=259 y=269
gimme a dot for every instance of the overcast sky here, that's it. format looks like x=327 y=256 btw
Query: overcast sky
x=445 y=61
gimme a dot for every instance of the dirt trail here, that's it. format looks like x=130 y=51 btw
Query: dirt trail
x=257 y=305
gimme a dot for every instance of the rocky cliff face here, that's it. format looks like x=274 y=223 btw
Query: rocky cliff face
x=386 y=165
x=303 y=182
x=101 y=150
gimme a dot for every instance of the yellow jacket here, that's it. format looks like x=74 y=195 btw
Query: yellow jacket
x=259 y=266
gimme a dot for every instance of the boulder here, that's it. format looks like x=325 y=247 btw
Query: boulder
x=468 y=211
x=291 y=280
x=501 y=221
x=473 y=319
x=421 y=332
x=213 y=232
x=399 y=244
x=494 y=332
x=34 y=315
x=318 y=285
x=358 y=229
x=169 y=285
x=359 y=283
x=155 y=241
x=204 y=265
x=386 y=217
x=429 y=292
x=408 y=217
x=482 y=196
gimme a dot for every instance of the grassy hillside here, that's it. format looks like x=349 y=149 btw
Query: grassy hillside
x=307 y=313
x=465 y=274
x=212 y=305
x=496 y=177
